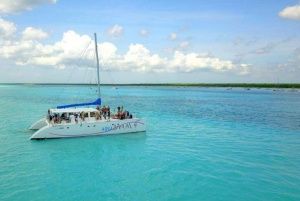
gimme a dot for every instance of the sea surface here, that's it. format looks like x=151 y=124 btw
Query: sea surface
x=200 y=144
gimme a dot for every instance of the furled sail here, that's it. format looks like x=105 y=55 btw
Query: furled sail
x=97 y=102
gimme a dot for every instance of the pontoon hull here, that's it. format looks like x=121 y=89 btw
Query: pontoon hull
x=90 y=129
x=39 y=124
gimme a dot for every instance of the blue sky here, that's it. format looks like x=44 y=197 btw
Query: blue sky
x=229 y=41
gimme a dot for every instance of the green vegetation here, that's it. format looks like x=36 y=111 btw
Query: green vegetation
x=248 y=85
x=251 y=85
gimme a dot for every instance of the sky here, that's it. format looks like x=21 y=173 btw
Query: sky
x=139 y=41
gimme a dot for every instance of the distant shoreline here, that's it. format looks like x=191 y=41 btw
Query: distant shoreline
x=248 y=85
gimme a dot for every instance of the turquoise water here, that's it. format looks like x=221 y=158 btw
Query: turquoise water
x=200 y=144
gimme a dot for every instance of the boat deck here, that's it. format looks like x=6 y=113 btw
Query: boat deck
x=80 y=121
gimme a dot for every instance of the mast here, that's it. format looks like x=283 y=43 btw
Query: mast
x=98 y=75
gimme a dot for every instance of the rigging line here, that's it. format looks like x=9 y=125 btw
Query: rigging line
x=92 y=71
x=107 y=69
x=92 y=74
x=111 y=78
x=108 y=72
x=81 y=88
x=74 y=68
x=88 y=67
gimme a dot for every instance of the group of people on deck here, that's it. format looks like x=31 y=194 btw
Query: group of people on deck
x=105 y=112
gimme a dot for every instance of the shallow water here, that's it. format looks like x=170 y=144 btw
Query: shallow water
x=200 y=144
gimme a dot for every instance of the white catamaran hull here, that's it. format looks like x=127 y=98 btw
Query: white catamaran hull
x=39 y=124
x=89 y=129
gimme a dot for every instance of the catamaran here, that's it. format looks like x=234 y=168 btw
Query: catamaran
x=78 y=120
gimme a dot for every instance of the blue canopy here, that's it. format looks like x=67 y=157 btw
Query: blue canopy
x=97 y=102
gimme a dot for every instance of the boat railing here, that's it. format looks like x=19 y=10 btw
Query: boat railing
x=69 y=120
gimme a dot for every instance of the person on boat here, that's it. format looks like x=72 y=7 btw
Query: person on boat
x=49 y=116
x=97 y=116
x=119 y=114
x=124 y=114
x=119 y=111
x=76 y=118
x=104 y=110
x=63 y=116
x=55 y=119
x=82 y=116
x=108 y=113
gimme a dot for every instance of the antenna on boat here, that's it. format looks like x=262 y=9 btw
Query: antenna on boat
x=98 y=76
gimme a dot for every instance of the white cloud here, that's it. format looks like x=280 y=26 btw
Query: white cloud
x=264 y=50
x=191 y=63
x=31 y=33
x=17 y=6
x=173 y=36
x=73 y=45
x=67 y=53
x=144 y=32
x=169 y=49
x=139 y=59
x=31 y=52
x=107 y=50
x=115 y=32
x=291 y=12
x=183 y=46
x=205 y=55
x=184 y=27
x=7 y=29
x=288 y=39
x=251 y=41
